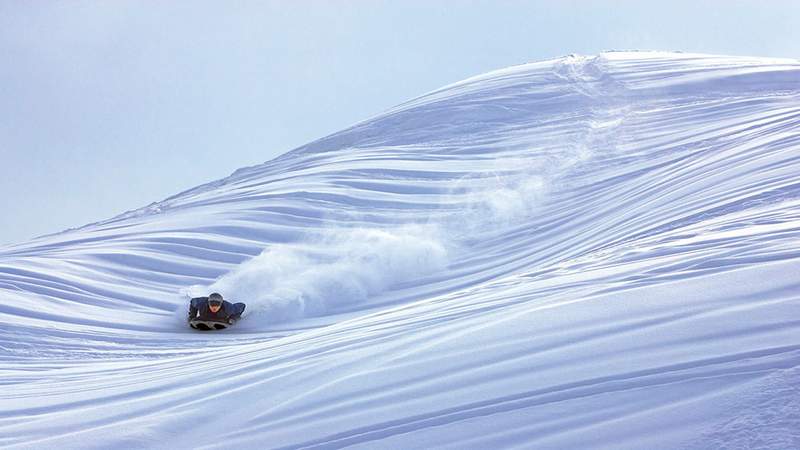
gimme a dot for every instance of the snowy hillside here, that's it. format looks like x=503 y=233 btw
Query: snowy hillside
x=588 y=252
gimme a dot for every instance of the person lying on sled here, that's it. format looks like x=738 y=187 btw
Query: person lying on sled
x=215 y=309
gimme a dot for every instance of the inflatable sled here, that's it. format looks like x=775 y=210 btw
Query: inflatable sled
x=209 y=325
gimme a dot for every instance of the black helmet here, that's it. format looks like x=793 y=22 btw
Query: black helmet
x=215 y=299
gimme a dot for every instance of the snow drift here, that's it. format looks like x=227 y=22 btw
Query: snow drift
x=588 y=252
x=344 y=268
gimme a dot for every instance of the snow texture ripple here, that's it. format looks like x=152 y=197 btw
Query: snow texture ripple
x=589 y=252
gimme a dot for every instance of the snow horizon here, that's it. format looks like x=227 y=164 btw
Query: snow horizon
x=154 y=204
x=102 y=97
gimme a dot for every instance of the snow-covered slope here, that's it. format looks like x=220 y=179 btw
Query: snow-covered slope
x=588 y=252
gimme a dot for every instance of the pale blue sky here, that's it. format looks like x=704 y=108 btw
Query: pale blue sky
x=107 y=106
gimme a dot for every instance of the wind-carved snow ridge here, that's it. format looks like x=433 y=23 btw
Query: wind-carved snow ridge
x=342 y=267
x=563 y=254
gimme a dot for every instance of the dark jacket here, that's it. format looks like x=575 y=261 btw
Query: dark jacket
x=198 y=309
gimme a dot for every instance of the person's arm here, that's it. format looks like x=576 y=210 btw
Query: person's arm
x=233 y=311
x=236 y=311
x=193 y=308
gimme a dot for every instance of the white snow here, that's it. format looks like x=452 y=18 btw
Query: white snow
x=590 y=252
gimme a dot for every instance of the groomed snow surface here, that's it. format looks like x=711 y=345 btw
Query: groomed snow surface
x=589 y=252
